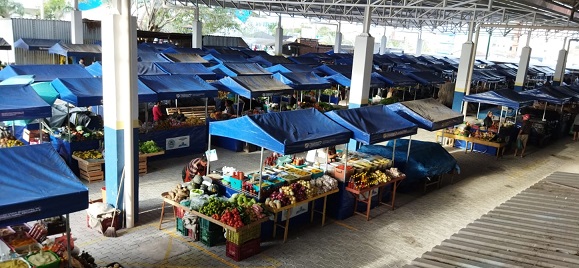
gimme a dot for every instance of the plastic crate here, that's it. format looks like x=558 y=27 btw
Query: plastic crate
x=235 y=183
x=239 y=238
x=277 y=182
x=179 y=212
x=212 y=238
x=207 y=225
x=54 y=264
x=180 y=228
x=241 y=252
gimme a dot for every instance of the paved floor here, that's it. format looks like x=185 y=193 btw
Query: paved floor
x=392 y=239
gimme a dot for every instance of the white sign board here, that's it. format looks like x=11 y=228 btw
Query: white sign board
x=211 y=155
x=177 y=143
x=365 y=196
x=299 y=210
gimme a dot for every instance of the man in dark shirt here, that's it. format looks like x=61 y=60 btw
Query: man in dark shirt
x=523 y=136
x=488 y=121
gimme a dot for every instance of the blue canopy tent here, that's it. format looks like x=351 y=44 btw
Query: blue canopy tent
x=187 y=68
x=150 y=57
x=45 y=187
x=342 y=75
x=246 y=69
x=184 y=50
x=4 y=45
x=546 y=95
x=269 y=61
x=22 y=102
x=178 y=86
x=149 y=68
x=394 y=79
x=46 y=91
x=77 y=50
x=222 y=71
x=253 y=86
x=45 y=73
x=35 y=44
x=184 y=57
x=566 y=91
x=305 y=60
x=426 y=78
x=289 y=68
x=80 y=91
x=18 y=80
x=304 y=130
x=428 y=114
x=503 y=97
x=145 y=48
x=303 y=81
x=225 y=58
x=96 y=69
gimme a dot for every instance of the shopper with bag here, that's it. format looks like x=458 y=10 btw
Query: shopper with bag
x=523 y=136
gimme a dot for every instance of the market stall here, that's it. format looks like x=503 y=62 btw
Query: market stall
x=290 y=68
x=188 y=69
x=310 y=130
x=268 y=61
x=45 y=73
x=178 y=135
x=89 y=52
x=396 y=80
x=370 y=125
x=426 y=78
x=56 y=192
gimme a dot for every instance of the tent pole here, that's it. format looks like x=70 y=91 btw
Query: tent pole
x=68 y=120
x=319 y=95
x=208 y=149
x=68 y=249
x=260 y=175
x=237 y=112
x=327 y=158
x=409 y=144
x=346 y=165
x=478 y=110
x=13 y=129
x=403 y=94
x=146 y=117
x=40 y=131
x=393 y=151
x=206 y=103
x=176 y=103
x=544 y=111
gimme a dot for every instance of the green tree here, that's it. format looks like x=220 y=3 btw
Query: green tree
x=217 y=19
x=55 y=9
x=9 y=8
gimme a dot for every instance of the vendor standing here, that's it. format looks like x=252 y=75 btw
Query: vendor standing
x=523 y=136
x=197 y=166
x=157 y=114
x=488 y=121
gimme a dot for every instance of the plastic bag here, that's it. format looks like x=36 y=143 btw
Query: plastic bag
x=198 y=201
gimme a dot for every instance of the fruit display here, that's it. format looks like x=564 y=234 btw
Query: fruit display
x=272 y=160
x=79 y=133
x=231 y=217
x=90 y=154
x=177 y=120
x=148 y=147
x=287 y=195
x=323 y=184
x=15 y=263
x=215 y=206
x=194 y=121
x=10 y=142
x=365 y=179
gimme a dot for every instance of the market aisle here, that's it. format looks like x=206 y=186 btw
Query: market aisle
x=392 y=239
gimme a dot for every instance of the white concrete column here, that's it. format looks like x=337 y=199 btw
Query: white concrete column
x=119 y=60
x=197 y=31
x=523 y=65
x=338 y=41
x=76 y=27
x=278 y=38
x=383 y=42
x=560 y=67
x=419 y=46
x=362 y=66
x=464 y=69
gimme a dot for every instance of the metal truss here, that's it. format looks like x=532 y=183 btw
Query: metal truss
x=443 y=15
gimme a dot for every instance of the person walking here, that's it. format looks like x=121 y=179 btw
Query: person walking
x=523 y=136
x=576 y=128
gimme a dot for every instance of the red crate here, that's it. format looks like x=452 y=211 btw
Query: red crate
x=239 y=253
x=179 y=212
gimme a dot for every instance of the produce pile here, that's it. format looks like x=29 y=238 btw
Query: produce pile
x=79 y=133
x=90 y=154
x=364 y=180
x=10 y=142
x=148 y=147
x=237 y=211
x=299 y=191
x=197 y=187
x=177 y=120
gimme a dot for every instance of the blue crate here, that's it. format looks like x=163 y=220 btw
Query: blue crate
x=235 y=183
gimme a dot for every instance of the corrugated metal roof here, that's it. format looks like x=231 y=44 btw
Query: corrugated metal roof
x=538 y=227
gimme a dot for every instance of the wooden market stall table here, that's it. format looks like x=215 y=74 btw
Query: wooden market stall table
x=365 y=195
x=500 y=146
x=288 y=210
x=90 y=169
x=143 y=161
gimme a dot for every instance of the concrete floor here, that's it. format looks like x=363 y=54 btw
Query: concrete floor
x=392 y=239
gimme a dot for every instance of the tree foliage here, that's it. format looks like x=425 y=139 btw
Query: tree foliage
x=55 y=9
x=153 y=16
x=9 y=8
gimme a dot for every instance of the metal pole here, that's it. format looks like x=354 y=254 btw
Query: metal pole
x=237 y=112
x=478 y=110
x=208 y=149
x=393 y=151
x=409 y=144
x=260 y=174
x=346 y=165
x=68 y=249
x=67 y=122
x=488 y=45
x=206 y=103
x=40 y=130
x=327 y=158
x=544 y=111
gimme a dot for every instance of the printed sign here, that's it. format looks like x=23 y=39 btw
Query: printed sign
x=211 y=155
x=365 y=196
x=177 y=143
x=299 y=210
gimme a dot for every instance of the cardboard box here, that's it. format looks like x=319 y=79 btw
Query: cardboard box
x=33 y=136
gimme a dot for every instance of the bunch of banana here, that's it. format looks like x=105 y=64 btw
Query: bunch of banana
x=90 y=154
x=5 y=143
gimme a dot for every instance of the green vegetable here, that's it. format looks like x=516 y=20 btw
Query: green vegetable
x=148 y=147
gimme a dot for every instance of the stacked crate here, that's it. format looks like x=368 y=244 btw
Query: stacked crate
x=244 y=244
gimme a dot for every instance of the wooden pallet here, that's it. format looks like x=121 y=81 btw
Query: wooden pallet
x=197 y=111
x=90 y=169
x=143 y=161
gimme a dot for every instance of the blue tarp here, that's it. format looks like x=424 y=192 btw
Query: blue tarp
x=253 y=86
x=270 y=60
x=426 y=159
x=303 y=81
x=21 y=102
x=145 y=48
x=44 y=186
x=80 y=91
x=503 y=97
x=537 y=94
x=246 y=68
x=566 y=91
x=342 y=74
x=225 y=58
x=185 y=50
x=183 y=57
x=427 y=114
x=96 y=69
x=35 y=44
x=46 y=91
x=284 y=132
x=150 y=57
x=289 y=68
x=76 y=50
x=222 y=71
x=178 y=86
x=426 y=78
x=305 y=60
x=373 y=124
x=45 y=73
x=149 y=68
x=187 y=68
x=18 y=80
x=394 y=79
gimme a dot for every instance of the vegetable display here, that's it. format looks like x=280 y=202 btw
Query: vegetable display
x=10 y=142
x=148 y=147
x=90 y=154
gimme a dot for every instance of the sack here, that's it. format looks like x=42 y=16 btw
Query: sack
x=519 y=144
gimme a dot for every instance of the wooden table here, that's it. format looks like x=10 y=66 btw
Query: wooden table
x=143 y=161
x=196 y=213
x=500 y=146
x=368 y=200
x=90 y=169
x=289 y=208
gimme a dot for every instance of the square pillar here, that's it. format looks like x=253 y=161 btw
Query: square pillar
x=523 y=67
x=463 y=75
x=383 y=42
x=361 y=71
x=560 y=68
x=197 y=41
